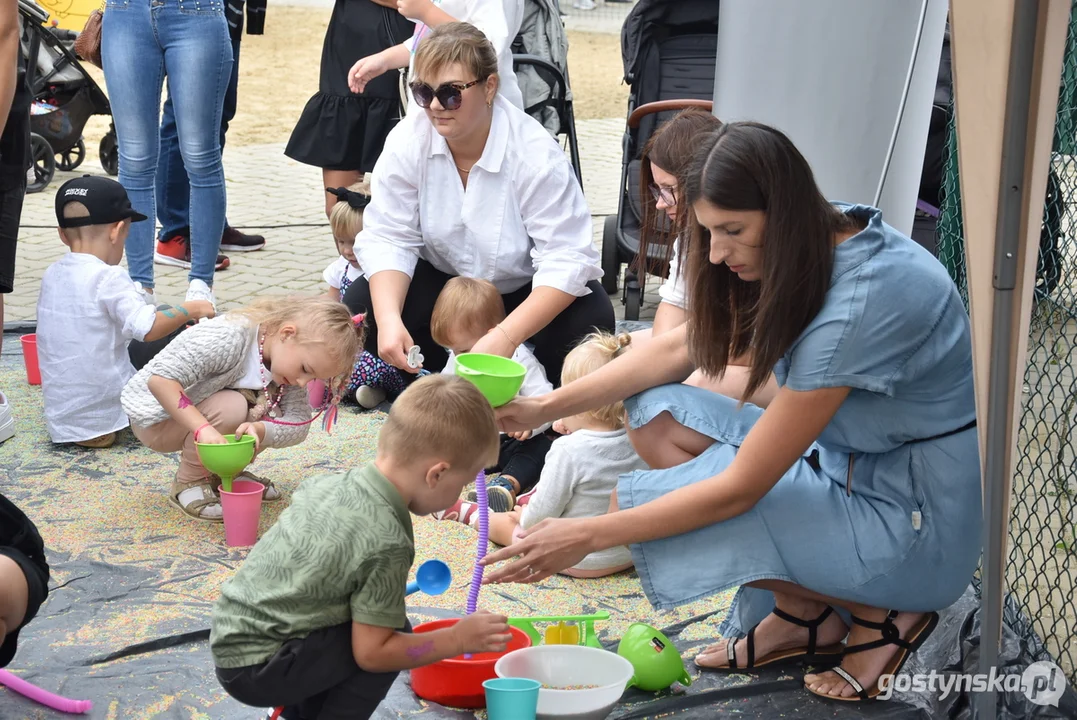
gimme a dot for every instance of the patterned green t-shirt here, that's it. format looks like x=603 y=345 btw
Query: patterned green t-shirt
x=342 y=551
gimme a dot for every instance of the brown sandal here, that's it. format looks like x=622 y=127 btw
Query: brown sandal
x=195 y=507
x=270 y=494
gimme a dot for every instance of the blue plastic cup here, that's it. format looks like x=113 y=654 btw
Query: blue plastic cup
x=511 y=698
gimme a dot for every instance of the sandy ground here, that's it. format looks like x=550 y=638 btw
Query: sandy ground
x=279 y=73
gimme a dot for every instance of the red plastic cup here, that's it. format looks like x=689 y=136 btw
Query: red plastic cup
x=29 y=358
x=242 y=508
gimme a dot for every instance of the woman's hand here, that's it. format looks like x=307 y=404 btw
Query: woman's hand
x=255 y=429
x=521 y=436
x=365 y=70
x=495 y=342
x=394 y=341
x=522 y=414
x=546 y=549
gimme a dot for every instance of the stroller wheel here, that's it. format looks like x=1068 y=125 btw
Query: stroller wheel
x=44 y=163
x=72 y=157
x=633 y=300
x=110 y=153
x=611 y=257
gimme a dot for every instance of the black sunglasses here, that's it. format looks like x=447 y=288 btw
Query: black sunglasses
x=450 y=95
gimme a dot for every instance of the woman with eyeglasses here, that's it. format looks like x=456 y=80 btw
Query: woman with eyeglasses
x=475 y=187
x=871 y=345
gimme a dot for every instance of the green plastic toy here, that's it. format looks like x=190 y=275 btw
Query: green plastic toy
x=498 y=378
x=656 y=661
x=227 y=460
x=562 y=634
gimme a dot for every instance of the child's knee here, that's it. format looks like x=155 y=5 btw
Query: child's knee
x=14 y=595
x=226 y=410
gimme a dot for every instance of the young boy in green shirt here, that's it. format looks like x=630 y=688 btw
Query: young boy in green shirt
x=315 y=618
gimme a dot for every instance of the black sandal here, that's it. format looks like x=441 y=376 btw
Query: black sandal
x=812 y=655
x=891 y=636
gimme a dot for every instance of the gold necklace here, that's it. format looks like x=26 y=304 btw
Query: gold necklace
x=466 y=172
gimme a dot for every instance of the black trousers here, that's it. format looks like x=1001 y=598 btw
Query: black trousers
x=552 y=343
x=314 y=678
x=523 y=459
x=141 y=353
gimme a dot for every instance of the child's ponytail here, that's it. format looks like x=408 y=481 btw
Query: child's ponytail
x=596 y=350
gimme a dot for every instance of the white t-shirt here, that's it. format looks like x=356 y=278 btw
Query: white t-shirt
x=500 y=21
x=255 y=374
x=337 y=270
x=522 y=220
x=87 y=312
x=535 y=381
x=579 y=476
x=673 y=289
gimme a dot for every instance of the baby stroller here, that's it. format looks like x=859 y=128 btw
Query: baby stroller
x=540 y=60
x=669 y=50
x=65 y=96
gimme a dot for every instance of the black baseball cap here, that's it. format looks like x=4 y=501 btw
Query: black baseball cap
x=105 y=198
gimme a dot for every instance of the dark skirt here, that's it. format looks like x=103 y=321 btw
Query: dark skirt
x=338 y=129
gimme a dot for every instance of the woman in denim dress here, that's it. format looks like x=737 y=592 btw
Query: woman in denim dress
x=848 y=509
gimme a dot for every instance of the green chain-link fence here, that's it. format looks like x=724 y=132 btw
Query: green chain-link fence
x=1041 y=571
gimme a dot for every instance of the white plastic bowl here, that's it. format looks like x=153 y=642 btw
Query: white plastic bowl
x=567 y=665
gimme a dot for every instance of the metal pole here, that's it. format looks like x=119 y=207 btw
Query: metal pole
x=1008 y=234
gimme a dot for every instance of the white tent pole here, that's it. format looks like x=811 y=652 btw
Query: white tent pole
x=1008 y=234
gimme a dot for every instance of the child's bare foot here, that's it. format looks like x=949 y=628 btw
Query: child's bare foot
x=776 y=636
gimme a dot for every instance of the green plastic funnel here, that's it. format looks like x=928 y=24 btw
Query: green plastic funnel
x=227 y=460
x=656 y=661
x=498 y=378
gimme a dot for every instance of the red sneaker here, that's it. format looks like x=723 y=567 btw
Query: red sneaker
x=176 y=251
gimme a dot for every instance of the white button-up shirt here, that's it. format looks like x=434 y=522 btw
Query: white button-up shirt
x=522 y=218
x=87 y=311
x=499 y=21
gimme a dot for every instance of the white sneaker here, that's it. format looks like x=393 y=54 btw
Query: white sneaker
x=151 y=297
x=369 y=397
x=198 y=290
x=7 y=423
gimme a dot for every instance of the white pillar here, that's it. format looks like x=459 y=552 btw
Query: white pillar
x=851 y=82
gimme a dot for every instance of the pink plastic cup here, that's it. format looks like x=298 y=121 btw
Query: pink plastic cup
x=242 y=509
x=29 y=358
x=316 y=393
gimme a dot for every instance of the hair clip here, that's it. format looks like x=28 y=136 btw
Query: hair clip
x=354 y=199
x=358 y=319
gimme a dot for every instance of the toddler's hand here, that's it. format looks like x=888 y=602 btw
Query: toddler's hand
x=482 y=632
x=254 y=429
x=521 y=436
x=210 y=436
x=560 y=429
x=414 y=9
x=199 y=309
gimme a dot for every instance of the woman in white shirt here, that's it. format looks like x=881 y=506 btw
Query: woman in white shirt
x=499 y=20
x=475 y=187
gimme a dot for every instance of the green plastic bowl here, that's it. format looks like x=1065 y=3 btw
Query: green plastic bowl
x=498 y=378
x=227 y=460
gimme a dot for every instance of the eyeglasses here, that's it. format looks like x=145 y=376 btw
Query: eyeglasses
x=663 y=193
x=450 y=95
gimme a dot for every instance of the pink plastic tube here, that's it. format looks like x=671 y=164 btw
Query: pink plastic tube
x=44 y=697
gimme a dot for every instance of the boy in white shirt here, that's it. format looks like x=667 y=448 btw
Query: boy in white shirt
x=89 y=309
x=467 y=309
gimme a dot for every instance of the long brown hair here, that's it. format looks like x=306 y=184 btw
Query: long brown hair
x=750 y=166
x=672 y=147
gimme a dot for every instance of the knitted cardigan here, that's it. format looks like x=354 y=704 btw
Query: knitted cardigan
x=204 y=359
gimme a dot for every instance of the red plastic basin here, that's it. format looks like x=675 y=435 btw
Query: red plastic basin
x=457 y=682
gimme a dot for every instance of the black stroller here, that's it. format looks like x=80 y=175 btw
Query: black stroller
x=669 y=51
x=540 y=60
x=65 y=96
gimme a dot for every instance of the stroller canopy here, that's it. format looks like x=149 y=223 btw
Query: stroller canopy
x=542 y=34
x=651 y=21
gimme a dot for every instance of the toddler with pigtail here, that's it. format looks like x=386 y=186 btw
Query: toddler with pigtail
x=243 y=372
x=372 y=379
x=581 y=468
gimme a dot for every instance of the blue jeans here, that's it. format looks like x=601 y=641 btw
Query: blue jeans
x=173 y=189
x=187 y=41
